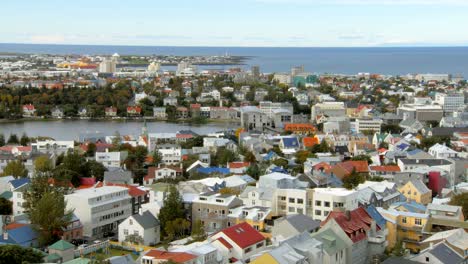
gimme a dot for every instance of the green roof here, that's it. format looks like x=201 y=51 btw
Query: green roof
x=331 y=242
x=7 y=195
x=53 y=257
x=61 y=245
x=78 y=261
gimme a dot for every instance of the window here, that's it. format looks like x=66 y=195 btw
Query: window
x=125 y=231
x=247 y=250
x=300 y=211
x=327 y=204
x=427 y=259
x=291 y=209
x=318 y=203
x=259 y=245
x=282 y=198
x=300 y=201
x=403 y=220
x=325 y=213
x=417 y=221
x=292 y=200
x=19 y=195
x=130 y=222
x=135 y=232
x=318 y=212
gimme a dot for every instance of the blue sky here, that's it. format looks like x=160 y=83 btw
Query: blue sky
x=308 y=23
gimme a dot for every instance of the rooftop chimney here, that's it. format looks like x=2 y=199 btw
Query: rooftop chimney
x=348 y=215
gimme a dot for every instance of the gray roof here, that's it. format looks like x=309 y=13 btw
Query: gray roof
x=301 y=222
x=127 y=259
x=418 y=184
x=399 y=260
x=428 y=162
x=445 y=254
x=146 y=220
x=118 y=176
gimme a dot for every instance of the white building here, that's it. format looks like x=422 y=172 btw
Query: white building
x=440 y=151
x=366 y=124
x=451 y=102
x=108 y=66
x=329 y=109
x=326 y=200
x=52 y=146
x=142 y=226
x=101 y=209
x=112 y=159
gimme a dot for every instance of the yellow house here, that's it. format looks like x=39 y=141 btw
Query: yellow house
x=254 y=216
x=404 y=226
x=417 y=191
x=265 y=259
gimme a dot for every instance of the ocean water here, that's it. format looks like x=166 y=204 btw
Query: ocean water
x=383 y=60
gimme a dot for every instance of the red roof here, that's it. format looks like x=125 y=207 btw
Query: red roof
x=179 y=257
x=14 y=225
x=111 y=109
x=391 y=168
x=359 y=165
x=322 y=165
x=310 y=141
x=184 y=135
x=299 y=127
x=29 y=107
x=224 y=242
x=195 y=105
x=136 y=109
x=238 y=164
x=243 y=234
x=355 y=226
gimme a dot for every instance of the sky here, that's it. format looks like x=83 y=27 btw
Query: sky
x=262 y=23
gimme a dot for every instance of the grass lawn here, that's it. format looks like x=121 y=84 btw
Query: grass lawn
x=112 y=252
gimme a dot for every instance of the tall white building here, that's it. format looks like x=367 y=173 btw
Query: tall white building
x=329 y=109
x=101 y=209
x=451 y=102
x=368 y=124
x=326 y=200
x=108 y=66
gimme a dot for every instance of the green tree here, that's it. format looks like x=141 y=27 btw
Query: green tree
x=353 y=180
x=48 y=216
x=43 y=164
x=2 y=140
x=363 y=158
x=172 y=208
x=398 y=250
x=6 y=206
x=24 y=141
x=461 y=200
x=16 y=169
x=249 y=157
x=19 y=254
x=13 y=139
x=198 y=231
x=95 y=169
x=254 y=171
x=281 y=163
x=91 y=150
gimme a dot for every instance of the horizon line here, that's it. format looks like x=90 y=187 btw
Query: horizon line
x=222 y=46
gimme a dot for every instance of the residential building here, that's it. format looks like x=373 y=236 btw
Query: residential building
x=367 y=124
x=29 y=110
x=159 y=112
x=416 y=190
x=64 y=249
x=440 y=151
x=111 y=159
x=253 y=215
x=156 y=256
x=52 y=146
x=300 y=129
x=328 y=109
x=143 y=228
x=292 y=225
x=335 y=243
x=447 y=212
x=111 y=111
x=239 y=242
x=212 y=209
x=162 y=172
x=327 y=200
x=100 y=210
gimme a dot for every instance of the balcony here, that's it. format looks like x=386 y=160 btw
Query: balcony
x=377 y=240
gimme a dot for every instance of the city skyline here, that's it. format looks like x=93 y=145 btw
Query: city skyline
x=249 y=23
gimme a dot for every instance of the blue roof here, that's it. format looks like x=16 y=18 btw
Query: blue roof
x=412 y=206
x=210 y=170
x=290 y=142
x=414 y=151
x=379 y=219
x=278 y=169
x=402 y=146
x=247 y=178
x=20 y=236
x=19 y=182
x=270 y=155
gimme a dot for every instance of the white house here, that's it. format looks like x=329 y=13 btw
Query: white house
x=241 y=242
x=101 y=209
x=112 y=159
x=326 y=200
x=440 y=151
x=52 y=146
x=142 y=226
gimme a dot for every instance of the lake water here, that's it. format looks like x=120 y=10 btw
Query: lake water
x=383 y=60
x=71 y=129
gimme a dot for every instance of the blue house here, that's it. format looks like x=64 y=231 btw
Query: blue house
x=22 y=236
x=213 y=170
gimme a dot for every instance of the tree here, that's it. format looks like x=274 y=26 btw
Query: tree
x=198 y=231
x=353 y=180
x=91 y=150
x=24 y=141
x=6 y=206
x=13 y=139
x=48 y=216
x=249 y=157
x=172 y=208
x=19 y=254
x=363 y=158
x=281 y=162
x=229 y=191
x=116 y=140
x=391 y=128
x=461 y=200
x=398 y=250
x=377 y=179
x=16 y=169
x=2 y=140
x=95 y=169
x=254 y=171
x=43 y=164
